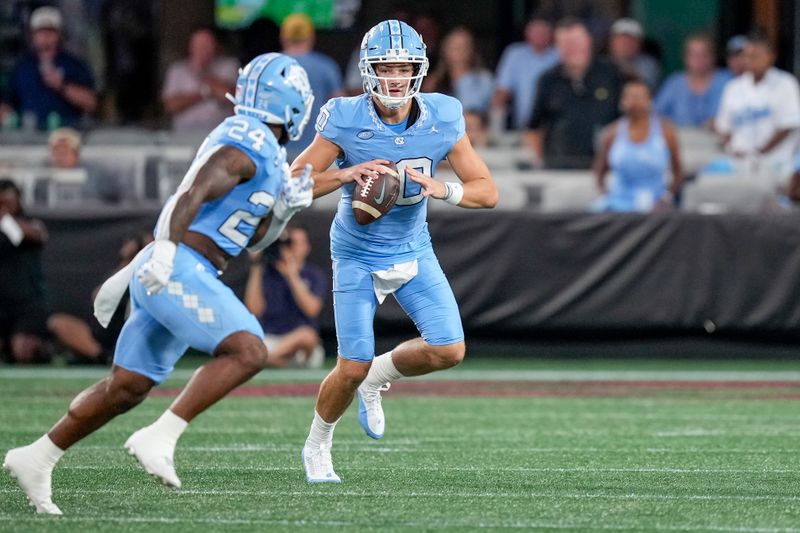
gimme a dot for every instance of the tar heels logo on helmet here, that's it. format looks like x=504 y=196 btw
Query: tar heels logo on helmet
x=392 y=41
x=274 y=88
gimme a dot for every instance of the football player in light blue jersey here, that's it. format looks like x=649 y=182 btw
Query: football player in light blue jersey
x=391 y=122
x=237 y=193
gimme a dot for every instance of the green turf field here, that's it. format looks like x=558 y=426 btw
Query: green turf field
x=565 y=451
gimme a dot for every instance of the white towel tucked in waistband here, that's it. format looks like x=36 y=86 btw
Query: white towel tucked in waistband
x=385 y=282
x=113 y=289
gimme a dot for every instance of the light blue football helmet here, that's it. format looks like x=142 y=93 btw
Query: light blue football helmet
x=392 y=41
x=274 y=88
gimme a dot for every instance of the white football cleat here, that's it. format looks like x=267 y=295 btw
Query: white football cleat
x=35 y=482
x=155 y=456
x=370 y=410
x=318 y=464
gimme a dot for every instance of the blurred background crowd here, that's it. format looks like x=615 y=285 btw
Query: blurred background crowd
x=577 y=106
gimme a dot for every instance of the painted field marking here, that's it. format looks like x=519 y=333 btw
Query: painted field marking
x=340 y=523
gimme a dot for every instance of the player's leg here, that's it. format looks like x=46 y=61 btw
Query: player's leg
x=140 y=345
x=204 y=313
x=354 y=310
x=429 y=301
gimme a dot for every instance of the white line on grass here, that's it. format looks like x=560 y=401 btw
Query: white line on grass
x=442 y=468
x=443 y=494
x=411 y=524
x=414 y=447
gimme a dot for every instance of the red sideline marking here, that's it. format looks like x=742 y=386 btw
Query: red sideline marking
x=527 y=388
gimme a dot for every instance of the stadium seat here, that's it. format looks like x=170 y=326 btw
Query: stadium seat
x=728 y=195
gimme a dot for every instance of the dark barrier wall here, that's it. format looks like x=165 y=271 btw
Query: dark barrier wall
x=521 y=273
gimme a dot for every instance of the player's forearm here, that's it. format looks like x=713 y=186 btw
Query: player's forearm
x=326 y=182
x=480 y=193
x=186 y=208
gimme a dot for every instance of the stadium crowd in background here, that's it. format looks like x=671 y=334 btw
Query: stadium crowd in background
x=195 y=88
x=560 y=100
x=49 y=87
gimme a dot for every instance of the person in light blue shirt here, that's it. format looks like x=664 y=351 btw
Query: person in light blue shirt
x=519 y=69
x=324 y=74
x=691 y=98
x=639 y=149
x=392 y=122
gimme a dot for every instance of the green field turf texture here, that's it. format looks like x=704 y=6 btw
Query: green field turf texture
x=684 y=462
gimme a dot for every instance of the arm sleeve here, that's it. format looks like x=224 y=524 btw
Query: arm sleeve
x=324 y=125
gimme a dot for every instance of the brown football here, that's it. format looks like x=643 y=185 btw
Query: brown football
x=376 y=197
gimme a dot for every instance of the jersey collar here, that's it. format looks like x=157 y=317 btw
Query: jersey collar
x=422 y=115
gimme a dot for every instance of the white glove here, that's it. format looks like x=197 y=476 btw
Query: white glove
x=154 y=274
x=296 y=194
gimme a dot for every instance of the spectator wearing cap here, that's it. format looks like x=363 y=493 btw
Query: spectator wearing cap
x=48 y=84
x=297 y=40
x=691 y=98
x=519 y=70
x=759 y=116
x=734 y=55
x=195 y=88
x=625 y=50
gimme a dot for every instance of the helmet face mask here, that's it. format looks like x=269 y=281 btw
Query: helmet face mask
x=394 y=44
x=274 y=88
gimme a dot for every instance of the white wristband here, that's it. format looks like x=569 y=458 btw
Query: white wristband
x=454 y=194
x=11 y=229
x=164 y=251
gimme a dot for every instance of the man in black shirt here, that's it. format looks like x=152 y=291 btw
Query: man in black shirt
x=574 y=101
x=22 y=300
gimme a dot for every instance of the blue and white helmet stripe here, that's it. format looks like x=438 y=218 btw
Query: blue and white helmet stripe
x=392 y=41
x=274 y=88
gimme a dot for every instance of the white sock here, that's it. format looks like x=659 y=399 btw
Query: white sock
x=382 y=371
x=169 y=426
x=46 y=454
x=321 y=432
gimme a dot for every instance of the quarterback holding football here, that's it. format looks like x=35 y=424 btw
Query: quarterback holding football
x=391 y=126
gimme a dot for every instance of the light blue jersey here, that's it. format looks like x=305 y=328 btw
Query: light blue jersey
x=399 y=236
x=196 y=309
x=231 y=220
x=353 y=125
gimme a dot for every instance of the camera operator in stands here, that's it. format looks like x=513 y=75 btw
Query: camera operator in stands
x=23 y=311
x=287 y=293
